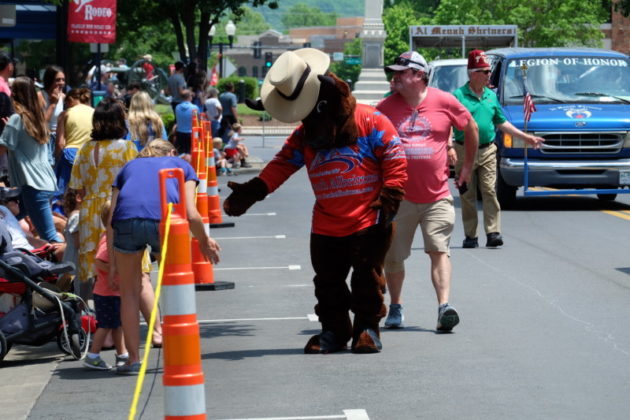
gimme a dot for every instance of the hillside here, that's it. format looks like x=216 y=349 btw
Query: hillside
x=343 y=8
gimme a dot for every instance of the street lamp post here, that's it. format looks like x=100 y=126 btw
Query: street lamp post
x=230 y=30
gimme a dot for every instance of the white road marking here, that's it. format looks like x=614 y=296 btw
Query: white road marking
x=273 y=213
x=354 y=414
x=217 y=321
x=290 y=267
x=293 y=418
x=313 y=317
x=251 y=237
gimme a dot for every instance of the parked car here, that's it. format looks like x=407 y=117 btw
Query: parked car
x=448 y=75
x=582 y=99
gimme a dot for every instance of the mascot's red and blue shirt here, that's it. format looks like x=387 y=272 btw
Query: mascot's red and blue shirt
x=348 y=179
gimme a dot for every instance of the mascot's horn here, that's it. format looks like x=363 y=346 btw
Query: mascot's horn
x=256 y=105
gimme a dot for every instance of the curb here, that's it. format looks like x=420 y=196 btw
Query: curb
x=272 y=131
x=257 y=165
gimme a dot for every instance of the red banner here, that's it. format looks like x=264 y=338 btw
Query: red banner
x=92 y=21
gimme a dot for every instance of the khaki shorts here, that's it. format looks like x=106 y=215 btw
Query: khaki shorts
x=436 y=222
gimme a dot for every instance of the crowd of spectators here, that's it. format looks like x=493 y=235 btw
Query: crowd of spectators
x=60 y=157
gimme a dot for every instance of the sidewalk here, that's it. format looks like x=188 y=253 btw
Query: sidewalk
x=257 y=165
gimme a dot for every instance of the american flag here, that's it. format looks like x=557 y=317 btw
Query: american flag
x=528 y=105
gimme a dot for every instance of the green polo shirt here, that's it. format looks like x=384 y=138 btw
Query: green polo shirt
x=485 y=110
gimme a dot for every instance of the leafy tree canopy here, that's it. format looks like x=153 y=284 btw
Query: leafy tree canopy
x=543 y=23
x=190 y=20
x=302 y=15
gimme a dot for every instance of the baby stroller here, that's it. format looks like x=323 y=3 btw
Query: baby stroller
x=41 y=313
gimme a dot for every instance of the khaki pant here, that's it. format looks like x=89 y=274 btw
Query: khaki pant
x=484 y=173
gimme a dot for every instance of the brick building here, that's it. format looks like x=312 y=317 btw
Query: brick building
x=329 y=39
x=617 y=33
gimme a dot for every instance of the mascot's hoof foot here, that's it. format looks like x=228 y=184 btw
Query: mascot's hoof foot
x=367 y=342
x=326 y=342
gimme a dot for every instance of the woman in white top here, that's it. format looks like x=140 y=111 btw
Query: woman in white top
x=214 y=110
x=51 y=99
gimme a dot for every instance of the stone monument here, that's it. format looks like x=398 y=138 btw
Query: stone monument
x=373 y=34
x=372 y=84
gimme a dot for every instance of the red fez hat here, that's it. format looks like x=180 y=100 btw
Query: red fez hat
x=477 y=60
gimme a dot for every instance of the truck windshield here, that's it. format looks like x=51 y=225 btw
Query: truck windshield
x=448 y=78
x=593 y=79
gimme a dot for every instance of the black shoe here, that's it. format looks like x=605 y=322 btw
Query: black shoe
x=494 y=239
x=245 y=164
x=470 y=243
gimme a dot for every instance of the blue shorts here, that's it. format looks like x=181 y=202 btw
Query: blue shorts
x=133 y=235
x=107 y=311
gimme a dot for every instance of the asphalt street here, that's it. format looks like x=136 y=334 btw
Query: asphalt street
x=542 y=332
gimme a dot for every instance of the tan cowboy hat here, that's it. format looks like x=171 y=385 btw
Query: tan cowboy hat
x=290 y=89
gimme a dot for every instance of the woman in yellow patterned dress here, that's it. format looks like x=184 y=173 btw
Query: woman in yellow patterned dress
x=97 y=164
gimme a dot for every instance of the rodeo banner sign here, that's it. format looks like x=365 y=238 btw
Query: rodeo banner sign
x=92 y=21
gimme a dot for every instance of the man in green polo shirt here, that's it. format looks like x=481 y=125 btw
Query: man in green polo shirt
x=486 y=110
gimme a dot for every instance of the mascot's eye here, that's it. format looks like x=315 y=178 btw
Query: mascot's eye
x=321 y=106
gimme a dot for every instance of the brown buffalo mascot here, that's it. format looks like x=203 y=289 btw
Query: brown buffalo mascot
x=357 y=170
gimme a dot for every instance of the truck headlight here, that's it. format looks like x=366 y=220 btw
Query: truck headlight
x=513 y=142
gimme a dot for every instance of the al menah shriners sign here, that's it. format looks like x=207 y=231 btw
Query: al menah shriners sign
x=92 y=21
x=448 y=36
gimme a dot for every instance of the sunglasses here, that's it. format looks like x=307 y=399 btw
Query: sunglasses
x=482 y=71
x=402 y=61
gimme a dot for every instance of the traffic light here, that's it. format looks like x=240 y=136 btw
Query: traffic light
x=257 y=49
x=268 y=59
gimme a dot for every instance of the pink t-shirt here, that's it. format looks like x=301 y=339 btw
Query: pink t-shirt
x=101 y=287
x=424 y=132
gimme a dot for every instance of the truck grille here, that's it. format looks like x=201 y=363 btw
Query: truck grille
x=582 y=143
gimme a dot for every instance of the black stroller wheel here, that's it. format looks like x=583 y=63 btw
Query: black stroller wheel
x=4 y=347
x=78 y=343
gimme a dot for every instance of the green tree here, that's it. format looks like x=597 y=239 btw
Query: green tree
x=397 y=20
x=190 y=19
x=348 y=71
x=543 y=23
x=251 y=22
x=302 y=15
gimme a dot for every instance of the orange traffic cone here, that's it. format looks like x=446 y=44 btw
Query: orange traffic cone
x=203 y=270
x=214 y=205
x=195 y=119
x=184 y=391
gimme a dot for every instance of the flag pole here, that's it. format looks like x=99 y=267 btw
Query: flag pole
x=525 y=121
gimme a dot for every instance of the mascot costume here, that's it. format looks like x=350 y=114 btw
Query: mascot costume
x=357 y=170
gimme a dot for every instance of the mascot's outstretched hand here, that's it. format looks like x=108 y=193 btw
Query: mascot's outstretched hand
x=244 y=196
x=388 y=203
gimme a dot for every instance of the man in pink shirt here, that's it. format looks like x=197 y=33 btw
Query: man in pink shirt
x=424 y=117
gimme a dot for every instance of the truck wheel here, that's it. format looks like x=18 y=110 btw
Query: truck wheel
x=4 y=347
x=506 y=194
x=607 y=197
